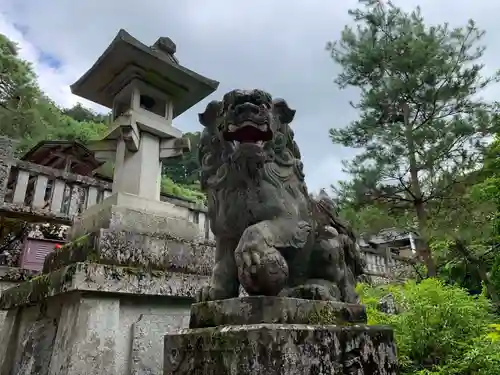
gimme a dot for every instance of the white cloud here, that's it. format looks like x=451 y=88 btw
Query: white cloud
x=53 y=81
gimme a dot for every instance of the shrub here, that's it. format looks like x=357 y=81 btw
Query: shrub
x=440 y=330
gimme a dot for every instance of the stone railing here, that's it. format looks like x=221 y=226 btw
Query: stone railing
x=42 y=194
x=57 y=196
x=383 y=264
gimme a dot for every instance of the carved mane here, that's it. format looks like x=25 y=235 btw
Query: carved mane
x=283 y=158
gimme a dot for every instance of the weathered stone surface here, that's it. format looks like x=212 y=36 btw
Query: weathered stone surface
x=8 y=330
x=3 y=286
x=36 y=348
x=147 y=342
x=85 y=343
x=387 y=304
x=15 y=275
x=61 y=174
x=93 y=328
x=159 y=251
x=126 y=212
x=275 y=349
x=33 y=214
x=91 y=277
x=275 y=310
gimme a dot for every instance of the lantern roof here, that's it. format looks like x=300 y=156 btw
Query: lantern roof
x=126 y=59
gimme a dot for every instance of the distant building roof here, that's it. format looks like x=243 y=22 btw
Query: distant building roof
x=56 y=154
x=389 y=236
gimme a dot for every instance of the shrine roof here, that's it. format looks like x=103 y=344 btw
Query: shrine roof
x=126 y=58
x=53 y=153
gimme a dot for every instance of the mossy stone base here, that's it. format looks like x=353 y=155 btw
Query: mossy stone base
x=158 y=251
x=275 y=310
x=101 y=278
x=279 y=349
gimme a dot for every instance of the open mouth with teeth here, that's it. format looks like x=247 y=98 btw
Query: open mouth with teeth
x=248 y=133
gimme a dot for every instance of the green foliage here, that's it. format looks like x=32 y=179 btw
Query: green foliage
x=440 y=329
x=28 y=116
x=185 y=169
x=371 y=219
x=495 y=273
x=168 y=186
x=18 y=94
x=487 y=192
x=81 y=114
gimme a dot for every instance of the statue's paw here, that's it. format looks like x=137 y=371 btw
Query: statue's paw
x=309 y=291
x=261 y=270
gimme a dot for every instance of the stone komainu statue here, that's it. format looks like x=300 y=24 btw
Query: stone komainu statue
x=272 y=238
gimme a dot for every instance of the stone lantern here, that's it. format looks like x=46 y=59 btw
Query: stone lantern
x=146 y=88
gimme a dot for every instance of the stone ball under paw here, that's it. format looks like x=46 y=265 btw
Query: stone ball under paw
x=268 y=277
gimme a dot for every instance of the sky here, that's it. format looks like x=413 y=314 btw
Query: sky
x=278 y=46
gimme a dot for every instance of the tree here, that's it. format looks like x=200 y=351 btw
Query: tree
x=185 y=169
x=18 y=87
x=19 y=93
x=82 y=114
x=28 y=116
x=421 y=126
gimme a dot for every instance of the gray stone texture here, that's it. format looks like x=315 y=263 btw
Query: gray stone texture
x=90 y=277
x=387 y=304
x=3 y=286
x=120 y=217
x=275 y=349
x=158 y=251
x=98 y=334
x=8 y=333
x=147 y=342
x=275 y=310
x=85 y=341
x=37 y=348
x=273 y=238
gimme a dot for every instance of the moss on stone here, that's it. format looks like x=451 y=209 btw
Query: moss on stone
x=117 y=248
x=38 y=288
x=78 y=250
x=15 y=274
x=325 y=316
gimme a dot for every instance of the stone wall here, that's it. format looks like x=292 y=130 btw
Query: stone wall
x=122 y=334
x=382 y=266
x=10 y=277
x=3 y=286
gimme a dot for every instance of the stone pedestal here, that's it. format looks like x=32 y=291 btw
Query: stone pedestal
x=267 y=335
x=93 y=319
x=122 y=211
x=105 y=299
